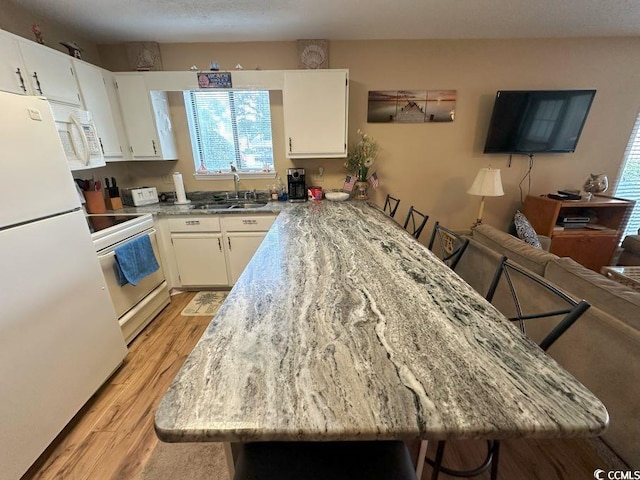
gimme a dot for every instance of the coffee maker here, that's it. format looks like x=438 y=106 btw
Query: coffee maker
x=297 y=185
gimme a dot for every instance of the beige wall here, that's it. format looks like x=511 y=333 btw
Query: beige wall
x=431 y=166
x=18 y=21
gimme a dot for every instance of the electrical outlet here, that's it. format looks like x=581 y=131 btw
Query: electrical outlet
x=166 y=179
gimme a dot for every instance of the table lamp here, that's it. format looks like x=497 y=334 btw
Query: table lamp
x=487 y=184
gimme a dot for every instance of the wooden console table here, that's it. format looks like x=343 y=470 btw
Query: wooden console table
x=592 y=247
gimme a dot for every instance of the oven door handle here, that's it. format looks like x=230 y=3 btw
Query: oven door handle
x=111 y=249
x=102 y=256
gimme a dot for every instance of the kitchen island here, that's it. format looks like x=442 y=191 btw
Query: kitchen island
x=343 y=327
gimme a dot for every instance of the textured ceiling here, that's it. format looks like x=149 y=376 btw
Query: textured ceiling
x=110 y=21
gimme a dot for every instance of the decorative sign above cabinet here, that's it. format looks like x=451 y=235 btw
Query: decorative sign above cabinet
x=214 y=79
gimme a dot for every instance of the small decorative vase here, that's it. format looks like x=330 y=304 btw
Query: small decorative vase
x=361 y=190
x=596 y=183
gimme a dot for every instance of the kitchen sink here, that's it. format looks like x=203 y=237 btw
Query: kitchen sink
x=213 y=206
x=248 y=205
x=229 y=206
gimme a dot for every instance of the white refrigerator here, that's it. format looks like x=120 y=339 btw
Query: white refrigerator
x=59 y=335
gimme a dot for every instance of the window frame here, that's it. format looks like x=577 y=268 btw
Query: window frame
x=193 y=125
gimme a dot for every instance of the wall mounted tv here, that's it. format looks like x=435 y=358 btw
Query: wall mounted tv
x=537 y=121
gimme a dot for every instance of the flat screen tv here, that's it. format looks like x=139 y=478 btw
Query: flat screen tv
x=537 y=121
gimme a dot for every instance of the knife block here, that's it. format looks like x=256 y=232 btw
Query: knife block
x=95 y=201
x=114 y=203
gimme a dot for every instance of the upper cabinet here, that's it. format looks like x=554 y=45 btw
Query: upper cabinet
x=315 y=113
x=93 y=82
x=13 y=74
x=28 y=68
x=50 y=73
x=146 y=119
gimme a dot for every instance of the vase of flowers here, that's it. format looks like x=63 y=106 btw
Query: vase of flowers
x=360 y=158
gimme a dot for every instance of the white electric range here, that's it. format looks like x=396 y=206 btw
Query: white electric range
x=136 y=306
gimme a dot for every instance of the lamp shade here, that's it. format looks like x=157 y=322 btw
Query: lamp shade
x=488 y=183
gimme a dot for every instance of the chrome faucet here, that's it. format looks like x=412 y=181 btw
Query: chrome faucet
x=236 y=182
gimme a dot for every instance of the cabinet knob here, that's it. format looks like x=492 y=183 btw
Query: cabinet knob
x=219 y=244
x=229 y=241
x=192 y=222
x=290 y=147
x=153 y=142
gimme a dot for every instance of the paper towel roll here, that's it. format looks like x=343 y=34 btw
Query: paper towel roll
x=181 y=197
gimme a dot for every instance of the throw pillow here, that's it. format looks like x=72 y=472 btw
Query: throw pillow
x=525 y=231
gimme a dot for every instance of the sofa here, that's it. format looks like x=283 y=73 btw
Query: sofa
x=630 y=251
x=602 y=349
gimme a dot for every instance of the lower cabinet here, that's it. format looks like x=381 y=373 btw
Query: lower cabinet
x=200 y=259
x=211 y=250
x=243 y=235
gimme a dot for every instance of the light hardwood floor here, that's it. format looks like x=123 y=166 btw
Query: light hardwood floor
x=112 y=437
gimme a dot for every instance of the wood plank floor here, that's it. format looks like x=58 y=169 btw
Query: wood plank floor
x=112 y=437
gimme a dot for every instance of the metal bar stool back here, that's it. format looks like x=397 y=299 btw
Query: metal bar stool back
x=447 y=245
x=391 y=205
x=415 y=222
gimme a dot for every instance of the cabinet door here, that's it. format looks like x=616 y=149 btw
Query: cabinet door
x=592 y=251
x=164 y=126
x=315 y=113
x=240 y=248
x=200 y=259
x=95 y=99
x=137 y=114
x=50 y=73
x=13 y=75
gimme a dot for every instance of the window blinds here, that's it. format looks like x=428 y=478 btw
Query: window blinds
x=628 y=185
x=230 y=128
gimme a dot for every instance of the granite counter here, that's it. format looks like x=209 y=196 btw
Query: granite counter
x=343 y=327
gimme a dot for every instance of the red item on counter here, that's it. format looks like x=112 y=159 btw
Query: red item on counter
x=315 y=193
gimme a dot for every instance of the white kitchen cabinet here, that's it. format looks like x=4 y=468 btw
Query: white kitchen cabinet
x=240 y=248
x=211 y=250
x=315 y=113
x=13 y=74
x=200 y=259
x=49 y=73
x=243 y=234
x=146 y=119
x=197 y=253
x=95 y=98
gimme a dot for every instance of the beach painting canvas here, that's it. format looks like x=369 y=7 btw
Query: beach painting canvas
x=411 y=106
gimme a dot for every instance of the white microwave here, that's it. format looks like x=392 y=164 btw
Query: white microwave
x=79 y=136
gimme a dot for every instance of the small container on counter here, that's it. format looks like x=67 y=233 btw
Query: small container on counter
x=315 y=193
x=273 y=193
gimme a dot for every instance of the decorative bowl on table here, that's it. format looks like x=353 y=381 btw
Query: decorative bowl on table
x=336 y=196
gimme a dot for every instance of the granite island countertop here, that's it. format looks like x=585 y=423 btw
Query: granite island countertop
x=343 y=327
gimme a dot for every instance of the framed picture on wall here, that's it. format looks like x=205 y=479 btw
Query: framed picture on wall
x=411 y=106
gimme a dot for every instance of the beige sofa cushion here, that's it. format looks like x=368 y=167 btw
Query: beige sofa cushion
x=612 y=297
x=513 y=248
x=477 y=266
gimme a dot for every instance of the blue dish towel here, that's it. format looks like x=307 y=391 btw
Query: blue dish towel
x=135 y=260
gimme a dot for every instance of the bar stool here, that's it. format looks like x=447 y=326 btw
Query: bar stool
x=510 y=278
x=450 y=246
x=418 y=221
x=391 y=205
